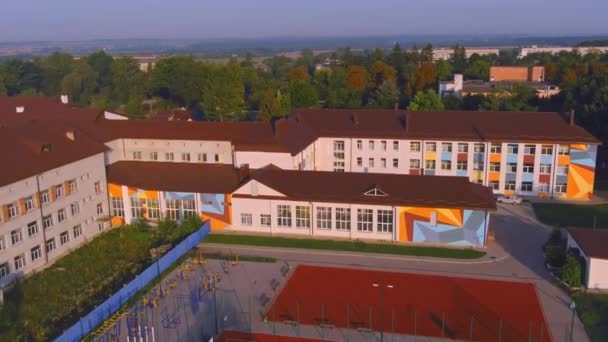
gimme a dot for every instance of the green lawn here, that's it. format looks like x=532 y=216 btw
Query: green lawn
x=48 y=302
x=350 y=246
x=593 y=311
x=572 y=215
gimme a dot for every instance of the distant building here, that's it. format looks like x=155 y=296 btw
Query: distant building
x=451 y=87
x=446 y=53
x=517 y=74
x=557 y=49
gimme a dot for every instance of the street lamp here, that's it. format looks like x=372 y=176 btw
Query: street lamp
x=573 y=309
x=387 y=286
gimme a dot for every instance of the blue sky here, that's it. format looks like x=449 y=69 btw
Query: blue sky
x=91 y=19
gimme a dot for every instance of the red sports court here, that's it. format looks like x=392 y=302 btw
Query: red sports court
x=413 y=304
x=237 y=336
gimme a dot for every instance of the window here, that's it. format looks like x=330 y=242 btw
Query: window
x=118 y=209
x=528 y=168
x=430 y=147
x=343 y=218
x=36 y=253
x=73 y=185
x=429 y=164
x=265 y=220
x=324 y=217
x=529 y=149
x=101 y=226
x=510 y=185
x=384 y=221
x=383 y=144
x=526 y=186
x=415 y=163
x=383 y=162
x=359 y=161
x=562 y=170
x=359 y=144
x=50 y=245
x=563 y=150
x=61 y=215
x=58 y=191
x=338 y=166
x=365 y=220
x=137 y=155
x=16 y=236
x=44 y=197
x=495 y=185
x=64 y=237
x=188 y=208
x=415 y=146
x=479 y=148
x=446 y=165
x=494 y=167
x=462 y=165
x=13 y=210
x=4 y=271
x=561 y=188
x=32 y=228
x=395 y=162
x=99 y=208
x=339 y=149
x=172 y=209
x=29 y=203
x=216 y=157
x=512 y=167
x=545 y=168
x=371 y=162
x=495 y=148
x=463 y=148
x=202 y=157
x=2 y=244
x=446 y=147
x=395 y=145
x=77 y=231
x=478 y=166
x=98 y=187
x=169 y=156
x=47 y=222
x=246 y=219
x=284 y=216
x=546 y=150
x=302 y=216
x=185 y=156
x=19 y=261
x=153 y=209
x=74 y=209
x=153 y=155
x=543 y=187
x=512 y=149
x=371 y=145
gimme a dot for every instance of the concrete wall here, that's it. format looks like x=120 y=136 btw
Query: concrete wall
x=258 y=160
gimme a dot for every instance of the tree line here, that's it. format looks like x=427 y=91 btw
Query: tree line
x=244 y=90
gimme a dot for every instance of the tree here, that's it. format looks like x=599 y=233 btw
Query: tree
x=478 y=70
x=2 y=76
x=428 y=100
x=80 y=83
x=223 y=90
x=452 y=102
x=299 y=73
x=356 y=77
x=303 y=94
x=269 y=104
x=571 y=272
x=21 y=76
x=127 y=80
x=385 y=96
x=54 y=68
x=278 y=67
x=101 y=63
x=179 y=79
x=381 y=72
x=444 y=70
x=459 y=59
x=589 y=98
x=424 y=77
x=426 y=54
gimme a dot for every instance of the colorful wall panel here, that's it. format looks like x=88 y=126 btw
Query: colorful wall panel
x=452 y=226
x=216 y=208
x=581 y=171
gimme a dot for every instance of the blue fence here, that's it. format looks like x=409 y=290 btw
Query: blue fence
x=101 y=313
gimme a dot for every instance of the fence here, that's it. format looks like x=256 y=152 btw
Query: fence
x=107 y=308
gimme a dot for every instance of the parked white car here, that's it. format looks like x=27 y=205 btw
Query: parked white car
x=509 y=199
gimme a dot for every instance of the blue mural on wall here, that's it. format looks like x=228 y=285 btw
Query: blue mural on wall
x=213 y=203
x=472 y=233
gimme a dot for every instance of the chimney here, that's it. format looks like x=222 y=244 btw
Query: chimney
x=571 y=117
x=70 y=135
x=20 y=109
x=64 y=99
x=243 y=172
x=355 y=119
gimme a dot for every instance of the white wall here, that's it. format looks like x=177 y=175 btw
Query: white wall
x=258 y=160
x=597 y=277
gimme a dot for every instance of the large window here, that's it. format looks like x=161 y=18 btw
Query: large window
x=546 y=150
x=395 y=145
x=479 y=148
x=446 y=147
x=137 y=207
x=16 y=236
x=169 y=156
x=371 y=145
x=429 y=164
x=44 y=197
x=526 y=186
x=562 y=170
x=265 y=220
x=283 y=215
x=19 y=262
x=343 y=218
x=430 y=147
x=384 y=221
x=64 y=238
x=2 y=244
x=510 y=185
x=371 y=162
x=153 y=155
x=395 y=162
x=36 y=253
x=495 y=185
x=463 y=147
x=75 y=209
x=365 y=220
x=529 y=149
x=4 y=271
x=545 y=168
x=414 y=163
x=528 y=168
x=185 y=156
x=494 y=167
x=246 y=219
x=446 y=165
x=73 y=186
x=137 y=155
x=153 y=209
x=302 y=216
x=512 y=167
x=32 y=228
x=495 y=148
x=512 y=148
x=561 y=187
x=338 y=166
x=359 y=161
x=359 y=144
x=118 y=209
x=383 y=163
x=47 y=222
x=324 y=217
x=77 y=230
x=188 y=208
x=29 y=203
x=543 y=187
x=563 y=150
x=61 y=215
x=173 y=209
x=462 y=165
x=50 y=245
x=415 y=146
x=13 y=210
x=383 y=145
x=99 y=208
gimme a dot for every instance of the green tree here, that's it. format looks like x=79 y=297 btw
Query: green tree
x=2 y=76
x=452 y=102
x=101 y=63
x=459 y=59
x=179 y=79
x=278 y=67
x=80 y=83
x=428 y=100
x=223 y=91
x=385 y=96
x=127 y=80
x=444 y=70
x=426 y=54
x=20 y=76
x=478 y=70
x=381 y=72
x=589 y=98
x=303 y=94
x=571 y=272
x=54 y=68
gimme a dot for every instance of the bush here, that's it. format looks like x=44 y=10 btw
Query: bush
x=571 y=272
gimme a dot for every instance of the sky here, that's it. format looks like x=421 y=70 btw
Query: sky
x=202 y=19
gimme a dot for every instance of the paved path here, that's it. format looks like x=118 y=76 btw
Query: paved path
x=514 y=255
